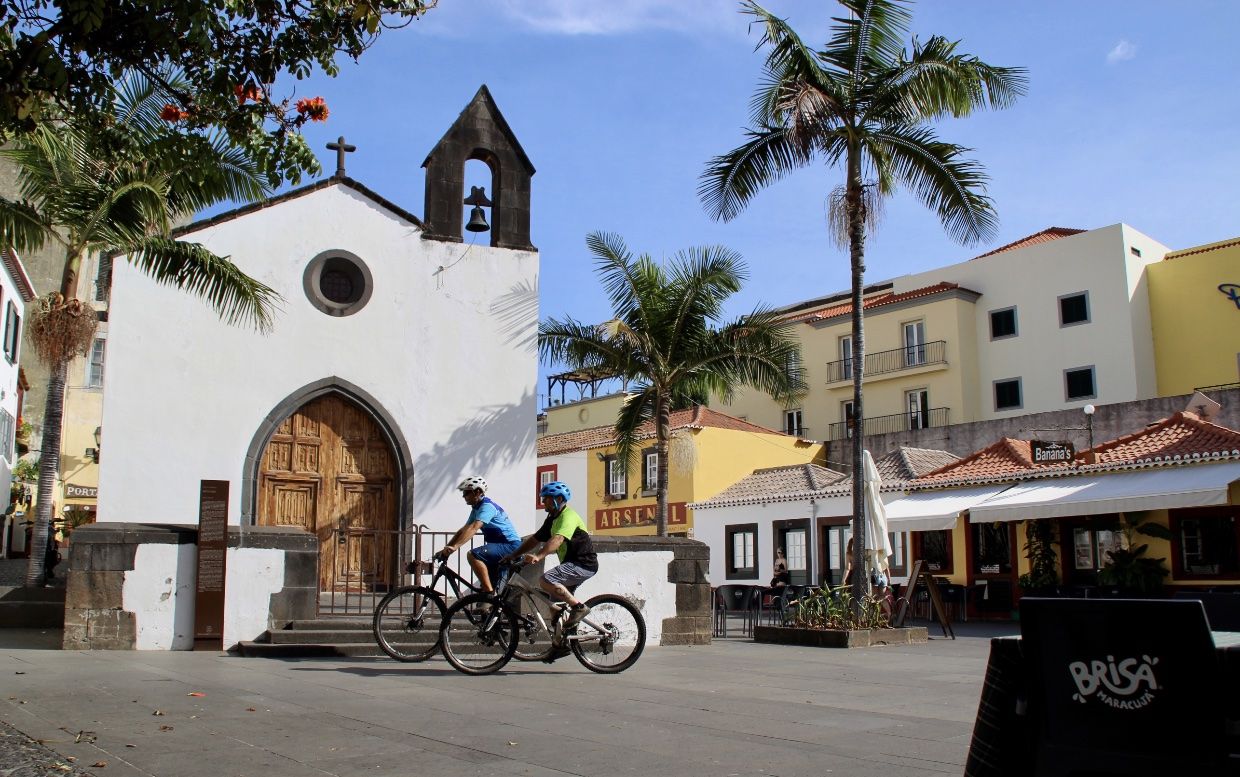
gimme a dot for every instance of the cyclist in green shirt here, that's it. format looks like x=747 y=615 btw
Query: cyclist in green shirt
x=563 y=533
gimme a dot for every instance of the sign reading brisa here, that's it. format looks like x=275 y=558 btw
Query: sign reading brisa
x=1048 y=452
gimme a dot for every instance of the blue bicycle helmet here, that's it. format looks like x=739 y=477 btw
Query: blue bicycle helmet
x=556 y=490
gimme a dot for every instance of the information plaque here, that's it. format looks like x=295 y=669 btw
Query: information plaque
x=212 y=557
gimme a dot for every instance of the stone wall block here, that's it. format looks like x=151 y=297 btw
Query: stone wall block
x=111 y=630
x=693 y=599
x=293 y=604
x=88 y=590
x=109 y=557
x=687 y=630
x=687 y=571
x=301 y=569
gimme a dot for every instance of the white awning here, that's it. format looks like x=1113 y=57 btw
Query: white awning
x=1193 y=485
x=935 y=510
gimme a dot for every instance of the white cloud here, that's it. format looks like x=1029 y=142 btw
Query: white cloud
x=1122 y=51
x=612 y=17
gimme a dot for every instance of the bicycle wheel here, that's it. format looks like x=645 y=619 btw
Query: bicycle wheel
x=612 y=636
x=533 y=641
x=479 y=634
x=406 y=623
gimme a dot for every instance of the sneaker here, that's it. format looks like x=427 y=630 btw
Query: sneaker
x=576 y=614
x=556 y=653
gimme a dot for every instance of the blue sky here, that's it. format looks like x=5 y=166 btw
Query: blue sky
x=1130 y=116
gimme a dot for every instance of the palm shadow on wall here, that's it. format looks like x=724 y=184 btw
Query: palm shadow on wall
x=517 y=312
x=498 y=438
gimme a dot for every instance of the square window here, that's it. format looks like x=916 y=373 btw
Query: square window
x=1080 y=383
x=546 y=474
x=614 y=481
x=1007 y=394
x=1002 y=323
x=94 y=370
x=1074 y=309
x=742 y=550
x=792 y=423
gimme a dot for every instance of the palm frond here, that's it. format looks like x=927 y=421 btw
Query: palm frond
x=936 y=81
x=944 y=181
x=702 y=279
x=637 y=410
x=22 y=227
x=733 y=179
x=236 y=297
x=581 y=346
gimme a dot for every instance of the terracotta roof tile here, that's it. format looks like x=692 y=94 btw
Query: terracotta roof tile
x=1045 y=236
x=697 y=417
x=1183 y=436
x=803 y=481
x=1201 y=249
x=878 y=300
x=1180 y=439
x=775 y=484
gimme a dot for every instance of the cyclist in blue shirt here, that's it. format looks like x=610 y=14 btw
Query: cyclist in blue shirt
x=499 y=536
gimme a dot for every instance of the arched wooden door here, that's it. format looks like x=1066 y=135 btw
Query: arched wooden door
x=329 y=461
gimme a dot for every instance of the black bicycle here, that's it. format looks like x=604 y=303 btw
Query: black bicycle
x=482 y=632
x=407 y=621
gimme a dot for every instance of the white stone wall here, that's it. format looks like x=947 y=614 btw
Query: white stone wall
x=251 y=577
x=446 y=345
x=159 y=591
x=8 y=379
x=641 y=577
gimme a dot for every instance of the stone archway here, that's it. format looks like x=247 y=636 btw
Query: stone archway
x=328 y=466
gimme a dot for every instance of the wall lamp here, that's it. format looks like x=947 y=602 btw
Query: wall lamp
x=93 y=453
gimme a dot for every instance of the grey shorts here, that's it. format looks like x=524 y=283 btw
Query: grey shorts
x=568 y=575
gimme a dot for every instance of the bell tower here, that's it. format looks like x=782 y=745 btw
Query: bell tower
x=480 y=133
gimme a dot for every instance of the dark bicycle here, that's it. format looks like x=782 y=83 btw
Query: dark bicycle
x=407 y=621
x=481 y=632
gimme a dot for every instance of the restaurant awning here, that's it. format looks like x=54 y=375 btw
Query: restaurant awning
x=935 y=510
x=1195 y=485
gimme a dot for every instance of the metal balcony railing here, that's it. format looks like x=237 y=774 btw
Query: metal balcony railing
x=896 y=359
x=886 y=424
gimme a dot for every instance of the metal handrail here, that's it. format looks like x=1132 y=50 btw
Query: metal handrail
x=894 y=360
x=887 y=424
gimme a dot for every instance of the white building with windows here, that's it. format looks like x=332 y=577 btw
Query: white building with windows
x=16 y=292
x=1053 y=321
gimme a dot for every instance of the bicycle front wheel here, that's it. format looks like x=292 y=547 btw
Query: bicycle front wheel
x=479 y=634
x=612 y=636
x=406 y=623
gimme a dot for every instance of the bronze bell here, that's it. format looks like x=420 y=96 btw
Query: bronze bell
x=477 y=220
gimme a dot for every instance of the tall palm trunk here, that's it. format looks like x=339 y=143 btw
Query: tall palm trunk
x=49 y=454
x=49 y=460
x=855 y=205
x=663 y=423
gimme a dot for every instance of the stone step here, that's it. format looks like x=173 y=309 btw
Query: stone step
x=37 y=608
x=333 y=637
x=310 y=650
x=330 y=624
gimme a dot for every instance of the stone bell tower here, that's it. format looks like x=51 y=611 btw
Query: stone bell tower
x=481 y=133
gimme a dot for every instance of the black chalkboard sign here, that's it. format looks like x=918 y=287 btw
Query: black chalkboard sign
x=922 y=576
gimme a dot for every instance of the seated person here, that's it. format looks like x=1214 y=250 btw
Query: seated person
x=782 y=576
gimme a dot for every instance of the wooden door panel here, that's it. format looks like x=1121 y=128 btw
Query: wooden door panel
x=326 y=462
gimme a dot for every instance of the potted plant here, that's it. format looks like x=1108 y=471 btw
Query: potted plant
x=1043 y=574
x=829 y=617
x=1128 y=568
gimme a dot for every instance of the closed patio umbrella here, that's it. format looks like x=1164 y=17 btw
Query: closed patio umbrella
x=877 y=545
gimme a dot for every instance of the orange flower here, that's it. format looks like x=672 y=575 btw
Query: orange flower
x=247 y=92
x=172 y=113
x=313 y=108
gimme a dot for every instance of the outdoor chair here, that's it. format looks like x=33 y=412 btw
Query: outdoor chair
x=733 y=600
x=1123 y=687
x=784 y=603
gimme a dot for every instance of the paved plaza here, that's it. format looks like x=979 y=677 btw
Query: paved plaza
x=731 y=708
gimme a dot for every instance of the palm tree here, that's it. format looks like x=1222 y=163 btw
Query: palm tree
x=865 y=102
x=664 y=339
x=119 y=190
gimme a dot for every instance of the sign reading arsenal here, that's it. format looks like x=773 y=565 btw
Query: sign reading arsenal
x=1047 y=452
x=638 y=515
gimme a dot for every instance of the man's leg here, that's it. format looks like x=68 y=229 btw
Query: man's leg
x=480 y=571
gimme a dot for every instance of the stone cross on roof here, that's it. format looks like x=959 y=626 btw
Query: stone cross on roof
x=341 y=148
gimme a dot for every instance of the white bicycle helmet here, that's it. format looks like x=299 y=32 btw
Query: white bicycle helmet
x=474 y=483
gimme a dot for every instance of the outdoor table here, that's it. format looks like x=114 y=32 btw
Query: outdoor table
x=1003 y=736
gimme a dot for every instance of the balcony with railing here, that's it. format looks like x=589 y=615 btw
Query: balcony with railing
x=895 y=360
x=887 y=424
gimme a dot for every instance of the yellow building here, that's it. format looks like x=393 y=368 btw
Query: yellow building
x=709 y=452
x=920 y=364
x=1195 y=317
